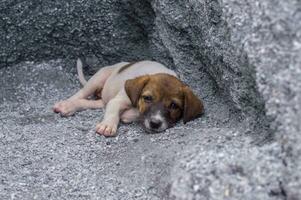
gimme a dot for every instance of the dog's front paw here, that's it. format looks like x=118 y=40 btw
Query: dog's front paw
x=65 y=108
x=106 y=128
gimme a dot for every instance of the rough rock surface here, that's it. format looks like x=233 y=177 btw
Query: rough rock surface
x=243 y=58
x=107 y=31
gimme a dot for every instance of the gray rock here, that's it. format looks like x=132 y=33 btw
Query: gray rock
x=242 y=57
x=109 y=30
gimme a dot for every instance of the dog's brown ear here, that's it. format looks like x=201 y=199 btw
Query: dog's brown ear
x=134 y=87
x=193 y=106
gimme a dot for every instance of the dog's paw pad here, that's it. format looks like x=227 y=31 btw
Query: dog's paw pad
x=107 y=129
x=65 y=108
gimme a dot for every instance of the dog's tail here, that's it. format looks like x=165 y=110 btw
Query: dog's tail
x=81 y=76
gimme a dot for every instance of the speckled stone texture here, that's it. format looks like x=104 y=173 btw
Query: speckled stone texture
x=242 y=57
x=107 y=30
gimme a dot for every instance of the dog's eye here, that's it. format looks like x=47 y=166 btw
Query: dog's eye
x=148 y=99
x=173 y=106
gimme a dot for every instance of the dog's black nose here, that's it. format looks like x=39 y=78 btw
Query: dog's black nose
x=155 y=124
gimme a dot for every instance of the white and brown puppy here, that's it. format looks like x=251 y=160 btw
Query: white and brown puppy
x=143 y=90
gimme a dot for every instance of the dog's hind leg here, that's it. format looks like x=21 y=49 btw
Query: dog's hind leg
x=67 y=108
x=96 y=82
x=75 y=102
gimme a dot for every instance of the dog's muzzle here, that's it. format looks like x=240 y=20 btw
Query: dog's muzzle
x=154 y=119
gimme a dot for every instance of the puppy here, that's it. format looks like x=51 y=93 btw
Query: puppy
x=143 y=90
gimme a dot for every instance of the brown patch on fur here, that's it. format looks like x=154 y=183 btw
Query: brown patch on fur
x=193 y=107
x=125 y=67
x=164 y=89
x=168 y=90
x=134 y=87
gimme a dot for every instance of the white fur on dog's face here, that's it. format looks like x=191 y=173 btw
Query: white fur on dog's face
x=155 y=122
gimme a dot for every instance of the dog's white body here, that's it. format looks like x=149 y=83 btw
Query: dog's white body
x=112 y=82
x=114 y=85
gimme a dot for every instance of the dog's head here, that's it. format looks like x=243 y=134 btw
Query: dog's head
x=162 y=100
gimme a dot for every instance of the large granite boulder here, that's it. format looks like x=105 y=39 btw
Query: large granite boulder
x=108 y=31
